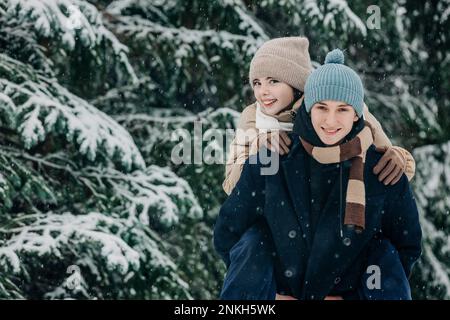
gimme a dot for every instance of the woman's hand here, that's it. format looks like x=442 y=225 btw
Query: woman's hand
x=284 y=297
x=276 y=141
x=391 y=166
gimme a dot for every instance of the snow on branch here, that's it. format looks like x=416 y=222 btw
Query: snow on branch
x=432 y=180
x=155 y=194
x=69 y=22
x=433 y=176
x=158 y=11
x=49 y=233
x=43 y=106
x=98 y=241
x=330 y=14
x=439 y=272
x=7 y=111
x=186 y=41
x=20 y=183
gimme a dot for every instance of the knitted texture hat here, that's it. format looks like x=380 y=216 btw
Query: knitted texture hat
x=285 y=59
x=335 y=81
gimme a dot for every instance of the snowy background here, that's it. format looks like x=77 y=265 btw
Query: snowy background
x=91 y=205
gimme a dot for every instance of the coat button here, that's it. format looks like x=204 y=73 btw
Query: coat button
x=292 y=234
x=347 y=242
x=288 y=273
x=337 y=280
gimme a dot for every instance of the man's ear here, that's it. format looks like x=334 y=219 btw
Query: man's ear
x=356 y=118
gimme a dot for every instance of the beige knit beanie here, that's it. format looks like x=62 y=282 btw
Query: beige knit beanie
x=285 y=59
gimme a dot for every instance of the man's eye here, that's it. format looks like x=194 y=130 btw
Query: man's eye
x=344 y=110
x=256 y=83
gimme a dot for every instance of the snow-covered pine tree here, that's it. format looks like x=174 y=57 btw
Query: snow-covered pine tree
x=76 y=195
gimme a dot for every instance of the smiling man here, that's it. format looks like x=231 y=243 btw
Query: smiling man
x=332 y=120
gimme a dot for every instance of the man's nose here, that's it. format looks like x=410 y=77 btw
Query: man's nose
x=330 y=118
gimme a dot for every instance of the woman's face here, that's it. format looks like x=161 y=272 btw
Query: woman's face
x=273 y=95
x=332 y=120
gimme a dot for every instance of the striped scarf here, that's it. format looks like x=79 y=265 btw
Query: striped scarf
x=355 y=149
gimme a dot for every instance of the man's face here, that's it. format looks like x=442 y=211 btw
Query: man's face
x=332 y=120
x=273 y=96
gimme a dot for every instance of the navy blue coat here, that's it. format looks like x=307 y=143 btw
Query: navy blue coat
x=310 y=266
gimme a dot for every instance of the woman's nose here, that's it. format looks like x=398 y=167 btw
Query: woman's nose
x=264 y=89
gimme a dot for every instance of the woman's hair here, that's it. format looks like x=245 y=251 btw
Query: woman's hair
x=297 y=94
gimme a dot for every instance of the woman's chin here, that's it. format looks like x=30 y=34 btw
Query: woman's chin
x=269 y=111
x=273 y=109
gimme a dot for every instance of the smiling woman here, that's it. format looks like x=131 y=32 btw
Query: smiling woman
x=273 y=96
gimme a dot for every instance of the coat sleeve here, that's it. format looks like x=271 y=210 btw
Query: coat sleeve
x=410 y=163
x=241 y=210
x=380 y=138
x=401 y=223
x=243 y=145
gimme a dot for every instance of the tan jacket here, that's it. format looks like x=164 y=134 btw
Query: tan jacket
x=245 y=143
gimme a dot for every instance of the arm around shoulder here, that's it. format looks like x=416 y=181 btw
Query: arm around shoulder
x=242 y=146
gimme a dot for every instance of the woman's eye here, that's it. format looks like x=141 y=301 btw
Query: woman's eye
x=256 y=84
x=344 y=110
x=273 y=81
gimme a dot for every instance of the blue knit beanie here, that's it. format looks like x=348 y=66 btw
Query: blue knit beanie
x=335 y=81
